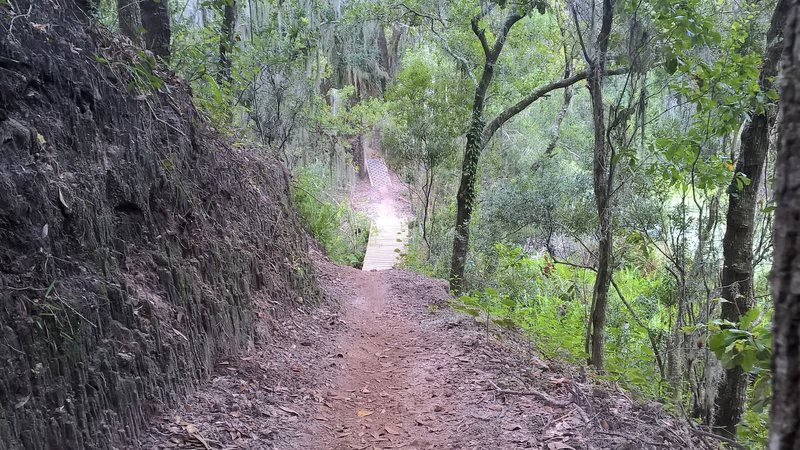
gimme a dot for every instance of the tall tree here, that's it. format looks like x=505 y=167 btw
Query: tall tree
x=475 y=143
x=737 y=270
x=785 y=414
x=480 y=132
x=157 y=28
x=603 y=181
x=227 y=39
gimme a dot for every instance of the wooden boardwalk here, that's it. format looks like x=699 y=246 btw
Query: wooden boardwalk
x=386 y=241
x=388 y=234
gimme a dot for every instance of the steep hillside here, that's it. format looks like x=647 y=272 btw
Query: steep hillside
x=136 y=245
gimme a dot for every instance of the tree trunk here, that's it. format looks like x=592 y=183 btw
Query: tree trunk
x=555 y=131
x=130 y=20
x=737 y=270
x=226 y=41
x=466 y=194
x=156 y=24
x=785 y=414
x=602 y=175
x=394 y=49
x=383 y=51
x=475 y=143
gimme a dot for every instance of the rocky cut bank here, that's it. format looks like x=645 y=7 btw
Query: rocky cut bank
x=137 y=247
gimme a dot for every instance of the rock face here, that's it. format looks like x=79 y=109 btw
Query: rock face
x=136 y=245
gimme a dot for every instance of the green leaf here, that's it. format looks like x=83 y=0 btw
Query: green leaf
x=671 y=65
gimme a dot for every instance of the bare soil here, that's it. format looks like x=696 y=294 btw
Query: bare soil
x=394 y=368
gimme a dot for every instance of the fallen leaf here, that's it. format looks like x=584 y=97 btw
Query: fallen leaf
x=363 y=413
x=62 y=200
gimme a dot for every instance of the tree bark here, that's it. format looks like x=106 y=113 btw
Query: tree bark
x=130 y=20
x=737 y=270
x=785 y=414
x=226 y=41
x=602 y=174
x=157 y=29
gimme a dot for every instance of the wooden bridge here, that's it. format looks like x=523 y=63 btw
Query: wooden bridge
x=388 y=234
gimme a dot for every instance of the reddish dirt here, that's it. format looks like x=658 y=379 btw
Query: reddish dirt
x=394 y=368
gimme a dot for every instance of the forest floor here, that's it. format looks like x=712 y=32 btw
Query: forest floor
x=385 y=364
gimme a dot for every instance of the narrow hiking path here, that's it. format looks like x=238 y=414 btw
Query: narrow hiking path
x=385 y=364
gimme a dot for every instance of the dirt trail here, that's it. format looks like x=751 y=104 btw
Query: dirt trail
x=392 y=388
x=386 y=364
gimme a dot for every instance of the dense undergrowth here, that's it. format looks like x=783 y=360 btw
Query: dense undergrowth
x=342 y=231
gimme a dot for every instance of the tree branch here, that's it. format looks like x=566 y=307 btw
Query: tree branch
x=459 y=59
x=480 y=32
x=526 y=101
x=511 y=19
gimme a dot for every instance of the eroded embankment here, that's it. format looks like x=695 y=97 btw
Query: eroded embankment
x=135 y=244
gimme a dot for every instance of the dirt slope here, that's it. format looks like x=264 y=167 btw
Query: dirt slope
x=127 y=266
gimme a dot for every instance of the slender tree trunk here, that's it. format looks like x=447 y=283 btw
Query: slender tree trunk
x=157 y=29
x=603 y=178
x=226 y=40
x=466 y=194
x=426 y=192
x=555 y=130
x=737 y=270
x=130 y=20
x=785 y=414
x=466 y=190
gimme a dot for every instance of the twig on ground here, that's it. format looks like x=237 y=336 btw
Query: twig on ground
x=533 y=393
x=633 y=438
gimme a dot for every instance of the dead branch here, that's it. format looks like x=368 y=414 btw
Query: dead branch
x=634 y=438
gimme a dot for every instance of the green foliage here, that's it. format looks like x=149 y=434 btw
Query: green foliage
x=341 y=231
x=427 y=110
x=550 y=302
x=747 y=345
